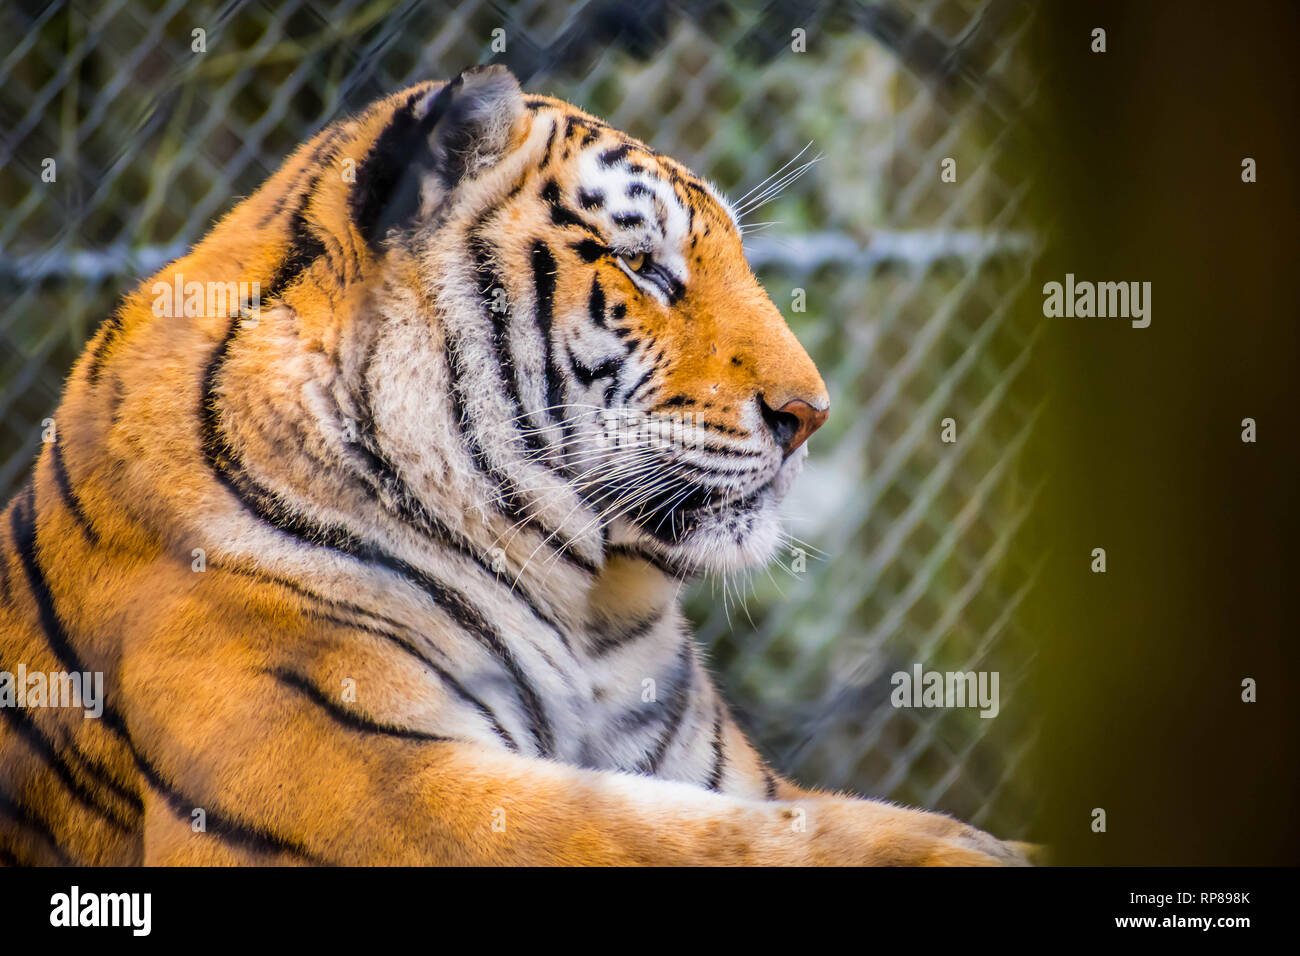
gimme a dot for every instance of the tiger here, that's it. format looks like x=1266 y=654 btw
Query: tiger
x=380 y=563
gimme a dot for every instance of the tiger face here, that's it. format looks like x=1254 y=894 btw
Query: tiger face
x=641 y=358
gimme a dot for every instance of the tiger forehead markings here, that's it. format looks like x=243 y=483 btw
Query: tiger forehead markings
x=392 y=553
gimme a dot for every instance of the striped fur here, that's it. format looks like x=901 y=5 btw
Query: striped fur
x=367 y=578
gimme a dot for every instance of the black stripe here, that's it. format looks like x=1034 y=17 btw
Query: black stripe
x=611 y=156
x=46 y=751
x=332 y=611
x=226 y=464
x=724 y=451
x=693 y=186
x=724 y=429
x=550 y=141
x=305 y=247
x=561 y=214
x=590 y=250
x=6 y=589
x=510 y=501
x=678 y=180
x=719 y=757
x=628 y=220
x=68 y=494
x=608 y=641
x=381 y=474
x=673 y=721
x=333 y=246
x=295 y=188
x=443 y=674
x=632 y=390
x=586 y=376
x=341 y=715
x=24 y=530
x=544 y=279
x=109 y=330
x=23 y=525
x=29 y=820
x=638 y=189
x=596 y=302
x=489 y=283
x=249 y=836
x=329 y=605
x=770 y=781
x=592 y=199
x=659 y=362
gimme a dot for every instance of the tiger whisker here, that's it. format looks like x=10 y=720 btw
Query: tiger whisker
x=786 y=165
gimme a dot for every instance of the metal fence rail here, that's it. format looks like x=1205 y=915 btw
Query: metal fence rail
x=902 y=552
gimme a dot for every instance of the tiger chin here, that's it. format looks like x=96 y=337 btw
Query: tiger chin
x=378 y=561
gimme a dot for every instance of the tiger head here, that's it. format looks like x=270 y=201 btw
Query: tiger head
x=611 y=345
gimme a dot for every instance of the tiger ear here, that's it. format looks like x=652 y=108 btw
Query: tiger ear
x=472 y=121
x=432 y=144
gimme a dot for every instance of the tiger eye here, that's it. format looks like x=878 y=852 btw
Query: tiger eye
x=635 y=262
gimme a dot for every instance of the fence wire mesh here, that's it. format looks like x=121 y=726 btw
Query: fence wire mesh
x=899 y=283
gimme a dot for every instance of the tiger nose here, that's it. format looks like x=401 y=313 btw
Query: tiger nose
x=792 y=423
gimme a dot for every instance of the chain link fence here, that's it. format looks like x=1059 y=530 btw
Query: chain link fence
x=154 y=115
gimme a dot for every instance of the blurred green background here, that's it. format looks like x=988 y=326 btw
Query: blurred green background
x=1139 y=178
x=905 y=546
